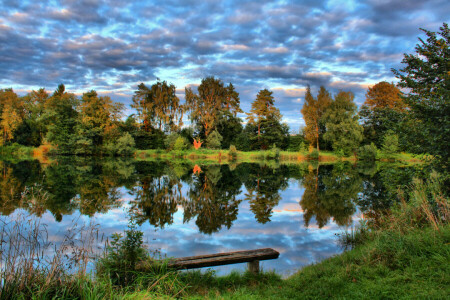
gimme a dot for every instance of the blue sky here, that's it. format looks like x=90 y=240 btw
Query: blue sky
x=111 y=46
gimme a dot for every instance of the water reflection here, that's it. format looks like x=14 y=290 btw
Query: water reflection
x=198 y=209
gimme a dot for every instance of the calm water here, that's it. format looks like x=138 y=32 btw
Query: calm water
x=186 y=209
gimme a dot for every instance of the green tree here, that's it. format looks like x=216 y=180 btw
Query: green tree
x=229 y=127
x=100 y=118
x=212 y=98
x=62 y=118
x=341 y=121
x=313 y=110
x=383 y=110
x=158 y=106
x=390 y=142
x=426 y=77
x=214 y=140
x=263 y=108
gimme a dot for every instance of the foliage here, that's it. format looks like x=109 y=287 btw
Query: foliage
x=232 y=153
x=383 y=110
x=273 y=153
x=214 y=140
x=123 y=146
x=390 y=142
x=154 y=139
x=62 y=118
x=180 y=144
x=427 y=80
x=313 y=110
x=242 y=141
x=368 y=152
x=229 y=127
x=341 y=121
x=296 y=143
x=314 y=154
x=213 y=97
x=158 y=107
x=263 y=108
x=122 y=256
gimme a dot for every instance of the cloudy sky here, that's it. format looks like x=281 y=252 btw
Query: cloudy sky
x=111 y=46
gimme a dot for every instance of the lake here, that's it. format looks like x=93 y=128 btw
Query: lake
x=189 y=208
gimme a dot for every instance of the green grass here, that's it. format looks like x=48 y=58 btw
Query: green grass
x=391 y=266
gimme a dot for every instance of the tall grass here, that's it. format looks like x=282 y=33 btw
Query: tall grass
x=32 y=266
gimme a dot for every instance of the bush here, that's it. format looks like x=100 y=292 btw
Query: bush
x=122 y=256
x=169 y=141
x=273 y=153
x=181 y=143
x=367 y=152
x=214 y=140
x=124 y=146
x=232 y=153
x=390 y=142
x=313 y=154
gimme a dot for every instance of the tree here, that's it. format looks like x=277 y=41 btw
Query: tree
x=62 y=117
x=341 y=121
x=214 y=140
x=212 y=98
x=11 y=114
x=100 y=118
x=390 y=142
x=426 y=77
x=313 y=110
x=158 y=106
x=264 y=123
x=263 y=108
x=383 y=110
x=229 y=127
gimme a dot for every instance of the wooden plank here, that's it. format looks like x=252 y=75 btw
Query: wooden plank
x=220 y=259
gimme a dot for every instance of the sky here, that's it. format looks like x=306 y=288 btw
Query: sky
x=112 y=46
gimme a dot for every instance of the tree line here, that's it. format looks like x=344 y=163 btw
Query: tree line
x=414 y=121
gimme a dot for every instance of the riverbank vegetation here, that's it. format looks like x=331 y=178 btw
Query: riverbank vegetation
x=390 y=120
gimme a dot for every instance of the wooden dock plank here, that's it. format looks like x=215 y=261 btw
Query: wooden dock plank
x=211 y=260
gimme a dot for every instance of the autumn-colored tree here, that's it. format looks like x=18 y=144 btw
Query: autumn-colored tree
x=312 y=111
x=384 y=95
x=158 y=106
x=383 y=110
x=11 y=114
x=212 y=98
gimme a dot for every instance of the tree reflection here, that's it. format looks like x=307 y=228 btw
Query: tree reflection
x=211 y=198
x=330 y=192
x=263 y=184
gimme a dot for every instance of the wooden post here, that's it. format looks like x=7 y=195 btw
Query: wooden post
x=253 y=266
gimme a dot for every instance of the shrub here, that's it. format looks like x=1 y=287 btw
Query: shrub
x=214 y=140
x=390 y=142
x=313 y=154
x=367 y=152
x=122 y=256
x=125 y=145
x=181 y=143
x=232 y=153
x=170 y=140
x=273 y=153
